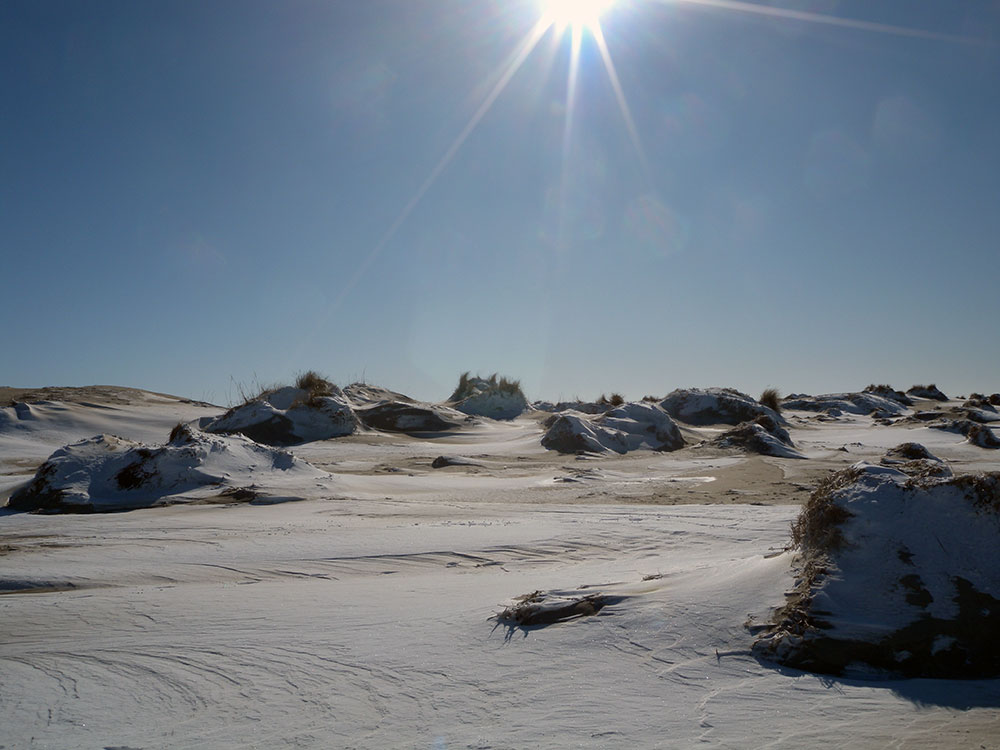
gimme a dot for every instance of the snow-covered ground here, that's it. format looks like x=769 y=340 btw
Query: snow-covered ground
x=361 y=617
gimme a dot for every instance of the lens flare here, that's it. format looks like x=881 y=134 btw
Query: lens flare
x=575 y=13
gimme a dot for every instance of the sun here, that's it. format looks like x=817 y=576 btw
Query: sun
x=576 y=13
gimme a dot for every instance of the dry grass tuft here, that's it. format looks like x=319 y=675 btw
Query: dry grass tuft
x=467 y=386
x=314 y=383
x=909 y=451
x=982 y=490
x=817 y=528
x=771 y=398
x=181 y=433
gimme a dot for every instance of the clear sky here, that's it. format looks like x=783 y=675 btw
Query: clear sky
x=798 y=194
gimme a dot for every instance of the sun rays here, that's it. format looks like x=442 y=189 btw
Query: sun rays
x=577 y=14
x=582 y=19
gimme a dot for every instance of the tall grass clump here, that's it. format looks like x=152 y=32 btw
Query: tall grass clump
x=616 y=399
x=314 y=383
x=771 y=398
x=470 y=386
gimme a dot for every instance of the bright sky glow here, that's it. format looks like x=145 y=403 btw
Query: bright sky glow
x=574 y=13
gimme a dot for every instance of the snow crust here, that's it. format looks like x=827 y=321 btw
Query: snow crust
x=106 y=473
x=927 y=391
x=626 y=428
x=289 y=415
x=702 y=406
x=911 y=583
x=763 y=435
x=836 y=404
x=365 y=615
x=487 y=399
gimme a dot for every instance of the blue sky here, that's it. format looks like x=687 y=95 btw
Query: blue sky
x=201 y=194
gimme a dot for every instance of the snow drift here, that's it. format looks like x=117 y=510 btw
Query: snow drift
x=405 y=416
x=489 y=397
x=625 y=428
x=287 y=416
x=927 y=391
x=900 y=574
x=109 y=473
x=975 y=433
x=836 y=404
x=762 y=435
x=703 y=406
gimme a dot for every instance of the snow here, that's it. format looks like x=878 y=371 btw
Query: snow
x=908 y=544
x=287 y=416
x=106 y=473
x=714 y=406
x=763 y=435
x=846 y=403
x=626 y=428
x=365 y=615
x=494 y=403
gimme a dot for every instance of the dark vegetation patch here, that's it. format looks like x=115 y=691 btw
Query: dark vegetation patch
x=887 y=391
x=239 y=494
x=909 y=452
x=470 y=386
x=136 y=474
x=276 y=430
x=771 y=398
x=533 y=609
x=395 y=416
x=965 y=647
x=314 y=383
x=927 y=391
x=982 y=490
x=442 y=461
x=752 y=436
x=181 y=434
x=615 y=400
x=38 y=495
x=818 y=526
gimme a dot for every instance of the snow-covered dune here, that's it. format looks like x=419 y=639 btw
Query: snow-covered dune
x=371 y=613
x=108 y=473
x=900 y=573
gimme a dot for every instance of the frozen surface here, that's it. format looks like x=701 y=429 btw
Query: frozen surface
x=361 y=617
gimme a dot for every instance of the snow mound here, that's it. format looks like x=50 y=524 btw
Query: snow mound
x=836 y=404
x=288 y=416
x=899 y=576
x=109 y=473
x=399 y=416
x=981 y=410
x=645 y=425
x=585 y=407
x=914 y=460
x=702 y=406
x=629 y=427
x=489 y=397
x=976 y=433
x=927 y=391
x=887 y=391
x=494 y=404
x=762 y=435
x=362 y=394
x=570 y=432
